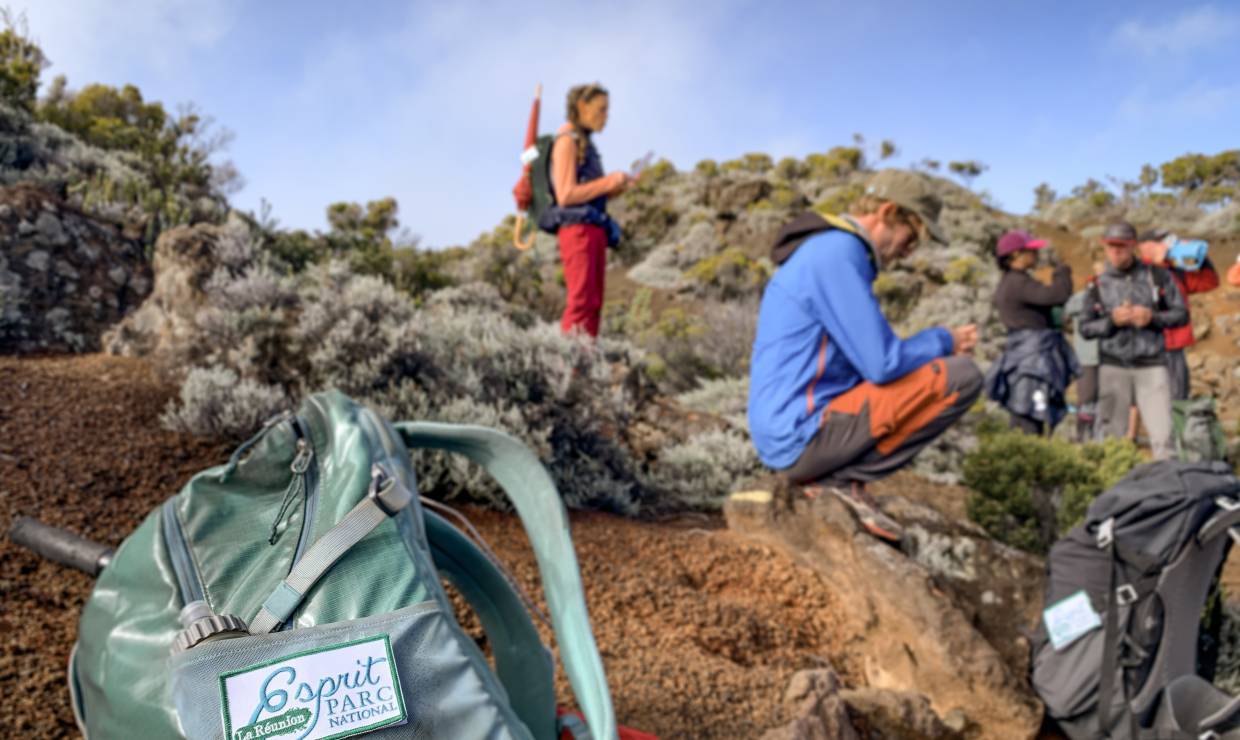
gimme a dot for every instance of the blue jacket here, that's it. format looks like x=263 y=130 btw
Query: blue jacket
x=820 y=333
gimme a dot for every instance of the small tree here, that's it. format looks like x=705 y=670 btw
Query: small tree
x=1094 y=193
x=21 y=61
x=1043 y=197
x=887 y=149
x=1202 y=178
x=967 y=171
x=1148 y=177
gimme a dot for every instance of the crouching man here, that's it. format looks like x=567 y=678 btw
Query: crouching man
x=1128 y=309
x=836 y=399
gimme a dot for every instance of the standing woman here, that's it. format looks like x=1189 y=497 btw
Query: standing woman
x=579 y=215
x=1037 y=365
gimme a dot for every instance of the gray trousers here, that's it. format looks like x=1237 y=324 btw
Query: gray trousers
x=872 y=431
x=1177 y=366
x=1149 y=389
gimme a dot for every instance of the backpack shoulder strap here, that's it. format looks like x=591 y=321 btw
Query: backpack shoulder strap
x=1159 y=279
x=524 y=665
x=533 y=493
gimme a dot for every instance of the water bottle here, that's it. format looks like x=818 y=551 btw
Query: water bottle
x=1039 y=402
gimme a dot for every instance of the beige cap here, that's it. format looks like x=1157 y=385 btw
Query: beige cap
x=911 y=191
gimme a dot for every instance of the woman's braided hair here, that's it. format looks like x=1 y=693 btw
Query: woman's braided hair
x=582 y=94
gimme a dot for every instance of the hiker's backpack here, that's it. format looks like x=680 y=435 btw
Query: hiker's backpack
x=1125 y=594
x=295 y=590
x=542 y=196
x=1197 y=430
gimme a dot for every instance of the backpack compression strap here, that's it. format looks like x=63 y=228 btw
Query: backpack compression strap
x=387 y=496
x=533 y=493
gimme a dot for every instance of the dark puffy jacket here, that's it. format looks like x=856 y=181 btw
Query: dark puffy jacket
x=1139 y=285
x=1034 y=360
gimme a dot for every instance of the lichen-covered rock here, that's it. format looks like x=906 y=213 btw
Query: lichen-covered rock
x=65 y=276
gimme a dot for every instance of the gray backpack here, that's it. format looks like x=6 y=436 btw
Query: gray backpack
x=1116 y=651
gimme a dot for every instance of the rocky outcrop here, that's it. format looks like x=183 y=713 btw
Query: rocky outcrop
x=65 y=277
x=941 y=618
x=185 y=259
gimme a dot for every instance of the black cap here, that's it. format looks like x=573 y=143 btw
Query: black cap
x=1120 y=231
x=1153 y=235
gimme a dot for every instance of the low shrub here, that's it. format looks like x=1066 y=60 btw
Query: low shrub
x=1028 y=491
x=728 y=275
x=707 y=167
x=839 y=199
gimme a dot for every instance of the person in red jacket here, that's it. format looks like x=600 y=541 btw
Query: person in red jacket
x=1153 y=247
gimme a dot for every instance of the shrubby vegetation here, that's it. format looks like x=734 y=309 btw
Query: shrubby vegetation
x=263 y=339
x=1189 y=192
x=112 y=152
x=1029 y=491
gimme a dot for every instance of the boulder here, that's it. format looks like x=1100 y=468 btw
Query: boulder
x=65 y=276
x=818 y=713
x=184 y=261
x=942 y=618
x=901 y=715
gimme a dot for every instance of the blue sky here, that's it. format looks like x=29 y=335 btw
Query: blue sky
x=427 y=102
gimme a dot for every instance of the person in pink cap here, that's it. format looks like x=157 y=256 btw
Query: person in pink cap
x=1038 y=364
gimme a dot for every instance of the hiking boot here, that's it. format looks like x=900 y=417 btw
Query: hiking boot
x=868 y=513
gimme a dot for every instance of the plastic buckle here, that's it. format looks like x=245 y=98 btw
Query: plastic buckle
x=1126 y=594
x=1227 y=504
x=383 y=483
x=1106 y=533
x=1209 y=735
x=379 y=481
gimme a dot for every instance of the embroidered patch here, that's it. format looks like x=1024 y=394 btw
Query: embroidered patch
x=334 y=691
x=1069 y=619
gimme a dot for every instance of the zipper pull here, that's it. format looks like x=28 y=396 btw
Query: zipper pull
x=299 y=466
x=301 y=463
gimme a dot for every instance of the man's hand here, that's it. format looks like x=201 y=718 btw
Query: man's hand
x=1140 y=316
x=964 y=339
x=1122 y=315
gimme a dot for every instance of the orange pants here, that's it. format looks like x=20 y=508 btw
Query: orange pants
x=870 y=431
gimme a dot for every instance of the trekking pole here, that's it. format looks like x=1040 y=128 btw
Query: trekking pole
x=60 y=545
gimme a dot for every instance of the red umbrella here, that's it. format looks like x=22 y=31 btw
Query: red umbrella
x=523 y=191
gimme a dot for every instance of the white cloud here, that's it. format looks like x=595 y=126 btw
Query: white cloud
x=1198 y=101
x=1193 y=30
x=107 y=40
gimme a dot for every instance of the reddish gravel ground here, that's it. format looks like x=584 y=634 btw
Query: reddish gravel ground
x=699 y=630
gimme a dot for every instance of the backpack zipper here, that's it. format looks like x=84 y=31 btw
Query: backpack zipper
x=189 y=583
x=303 y=468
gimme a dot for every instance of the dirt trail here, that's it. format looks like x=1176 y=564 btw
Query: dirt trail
x=699 y=630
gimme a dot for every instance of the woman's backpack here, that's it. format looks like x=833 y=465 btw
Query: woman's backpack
x=1124 y=601
x=295 y=591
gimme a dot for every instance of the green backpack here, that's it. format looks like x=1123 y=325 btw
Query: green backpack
x=540 y=181
x=295 y=591
x=1198 y=433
